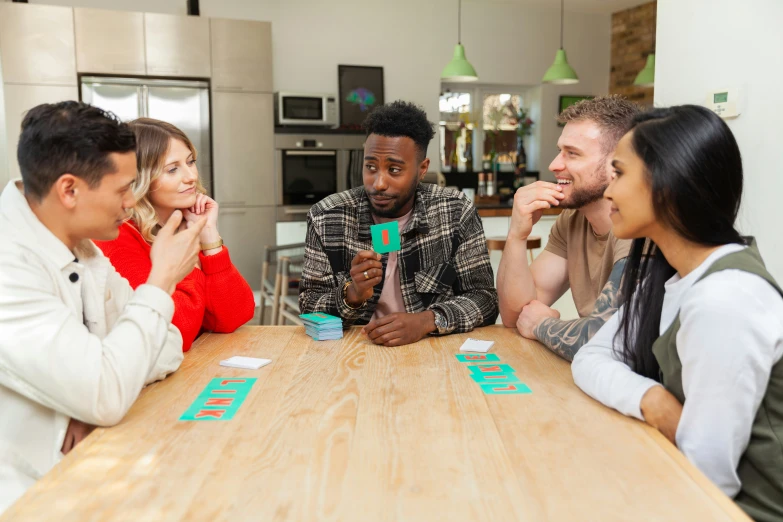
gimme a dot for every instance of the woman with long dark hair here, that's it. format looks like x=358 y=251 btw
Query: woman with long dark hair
x=696 y=349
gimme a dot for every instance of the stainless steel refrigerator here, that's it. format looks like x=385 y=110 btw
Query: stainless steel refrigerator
x=234 y=139
x=181 y=103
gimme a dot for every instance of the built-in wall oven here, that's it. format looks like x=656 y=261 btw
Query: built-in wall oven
x=311 y=167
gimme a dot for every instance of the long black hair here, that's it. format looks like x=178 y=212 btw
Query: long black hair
x=694 y=168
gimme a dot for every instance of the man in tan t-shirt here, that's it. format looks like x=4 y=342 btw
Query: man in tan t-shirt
x=581 y=254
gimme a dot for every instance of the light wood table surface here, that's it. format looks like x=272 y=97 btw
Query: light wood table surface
x=348 y=431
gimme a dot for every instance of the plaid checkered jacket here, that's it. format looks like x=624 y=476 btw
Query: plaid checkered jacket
x=443 y=264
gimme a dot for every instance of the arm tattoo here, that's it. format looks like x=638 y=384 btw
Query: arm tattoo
x=566 y=337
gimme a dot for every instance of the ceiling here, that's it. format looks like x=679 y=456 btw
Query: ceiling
x=585 y=6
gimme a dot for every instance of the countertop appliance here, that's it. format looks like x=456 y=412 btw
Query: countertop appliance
x=295 y=108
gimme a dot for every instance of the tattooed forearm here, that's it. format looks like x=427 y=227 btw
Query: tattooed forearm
x=566 y=337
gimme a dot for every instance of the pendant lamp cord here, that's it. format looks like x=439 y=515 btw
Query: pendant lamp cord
x=459 y=21
x=562 y=3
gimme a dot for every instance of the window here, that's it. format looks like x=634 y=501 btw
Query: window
x=475 y=121
x=456 y=131
x=499 y=113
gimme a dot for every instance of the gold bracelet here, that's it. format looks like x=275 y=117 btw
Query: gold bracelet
x=210 y=246
x=345 y=294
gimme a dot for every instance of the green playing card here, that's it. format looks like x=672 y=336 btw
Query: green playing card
x=505 y=389
x=482 y=369
x=320 y=317
x=476 y=357
x=492 y=378
x=385 y=237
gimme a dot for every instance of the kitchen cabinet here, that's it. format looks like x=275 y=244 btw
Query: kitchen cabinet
x=241 y=55
x=110 y=42
x=243 y=161
x=245 y=231
x=177 y=45
x=18 y=100
x=37 y=44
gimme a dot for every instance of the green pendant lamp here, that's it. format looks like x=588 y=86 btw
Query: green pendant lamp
x=560 y=73
x=646 y=77
x=459 y=68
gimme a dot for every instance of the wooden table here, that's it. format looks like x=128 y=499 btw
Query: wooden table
x=348 y=431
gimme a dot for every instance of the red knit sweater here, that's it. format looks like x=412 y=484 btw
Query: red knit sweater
x=216 y=298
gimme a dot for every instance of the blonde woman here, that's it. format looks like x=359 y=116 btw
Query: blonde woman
x=214 y=296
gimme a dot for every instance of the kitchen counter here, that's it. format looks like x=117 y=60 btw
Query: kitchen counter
x=505 y=210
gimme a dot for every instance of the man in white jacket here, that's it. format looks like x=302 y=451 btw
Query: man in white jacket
x=77 y=344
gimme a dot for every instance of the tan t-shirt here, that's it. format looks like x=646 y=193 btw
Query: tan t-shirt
x=590 y=258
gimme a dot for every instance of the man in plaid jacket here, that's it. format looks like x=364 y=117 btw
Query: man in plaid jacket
x=439 y=282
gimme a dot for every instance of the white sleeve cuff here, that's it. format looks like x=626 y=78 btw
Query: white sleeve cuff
x=153 y=297
x=635 y=397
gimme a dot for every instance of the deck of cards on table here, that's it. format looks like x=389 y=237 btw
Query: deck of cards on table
x=322 y=327
x=476 y=345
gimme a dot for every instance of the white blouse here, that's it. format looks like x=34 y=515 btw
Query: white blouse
x=730 y=337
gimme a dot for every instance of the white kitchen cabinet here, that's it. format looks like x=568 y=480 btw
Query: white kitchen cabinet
x=37 y=44
x=243 y=145
x=18 y=100
x=245 y=231
x=177 y=45
x=110 y=42
x=241 y=55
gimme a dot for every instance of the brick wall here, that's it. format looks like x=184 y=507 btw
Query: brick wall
x=633 y=38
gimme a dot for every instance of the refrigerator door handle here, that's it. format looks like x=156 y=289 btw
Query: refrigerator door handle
x=144 y=102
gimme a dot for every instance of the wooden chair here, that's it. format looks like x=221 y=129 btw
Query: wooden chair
x=271 y=289
x=499 y=243
x=288 y=305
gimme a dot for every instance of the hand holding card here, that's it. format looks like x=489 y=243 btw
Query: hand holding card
x=366 y=272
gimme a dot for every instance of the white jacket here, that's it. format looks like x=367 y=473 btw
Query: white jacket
x=75 y=341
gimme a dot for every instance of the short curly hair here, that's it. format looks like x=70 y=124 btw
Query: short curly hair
x=614 y=114
x=401 y=118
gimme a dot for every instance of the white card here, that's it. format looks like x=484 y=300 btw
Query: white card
x=247 y=363
x=476 y=345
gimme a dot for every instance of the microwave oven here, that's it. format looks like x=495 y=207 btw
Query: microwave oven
x=293 y=109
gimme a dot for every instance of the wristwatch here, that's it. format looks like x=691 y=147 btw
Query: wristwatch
x=210 y=246
x=441 y=323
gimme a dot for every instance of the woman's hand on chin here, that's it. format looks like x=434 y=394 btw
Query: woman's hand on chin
x=205 y=205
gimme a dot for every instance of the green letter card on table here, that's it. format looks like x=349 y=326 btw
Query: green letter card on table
x=505 y=388
x=494 y=378
x=476 y=357
x=481 y=369
x=220 y=400
x=385 y=237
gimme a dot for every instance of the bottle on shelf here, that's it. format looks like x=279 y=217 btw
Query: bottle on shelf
x=490 y=190
x=468 y=151
x=482 y=185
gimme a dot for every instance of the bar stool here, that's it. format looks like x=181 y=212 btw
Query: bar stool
x=499 y=243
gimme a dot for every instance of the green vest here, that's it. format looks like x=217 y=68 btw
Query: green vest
x=761 y=466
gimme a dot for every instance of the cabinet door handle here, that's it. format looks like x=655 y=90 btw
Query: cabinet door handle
x=297 y=210
x=240 y=203
x=310 y=153
x=233 y=211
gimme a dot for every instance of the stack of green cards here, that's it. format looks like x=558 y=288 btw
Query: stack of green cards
x=322 y=327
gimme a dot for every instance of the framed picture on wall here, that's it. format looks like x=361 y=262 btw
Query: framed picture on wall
x=361 y=90
x=569 y=99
